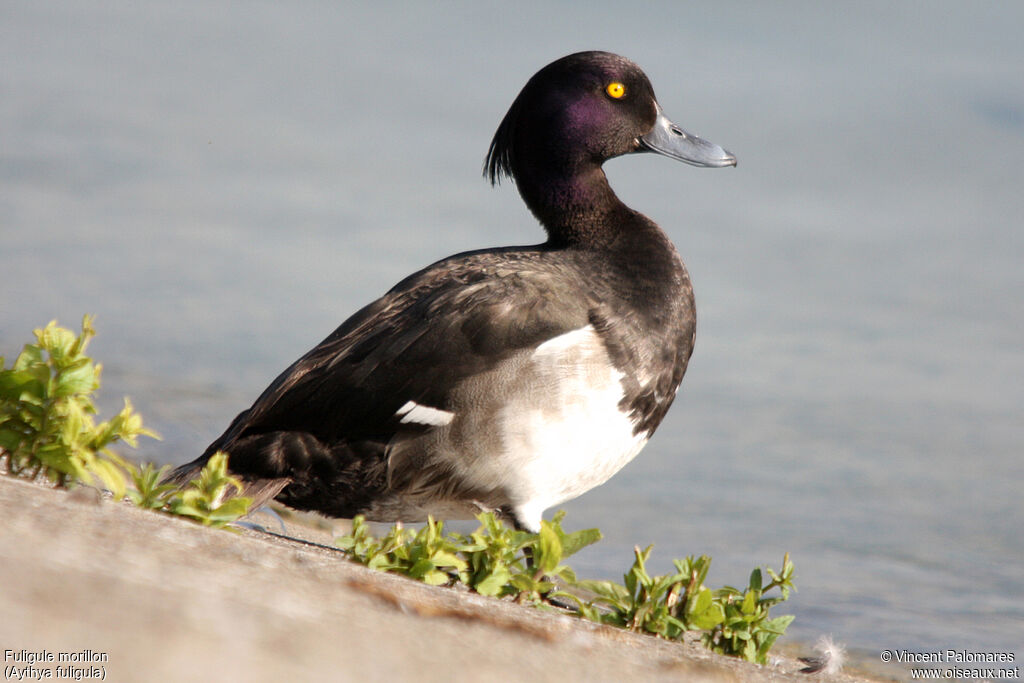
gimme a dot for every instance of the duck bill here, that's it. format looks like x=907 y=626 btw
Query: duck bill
x=670 y=140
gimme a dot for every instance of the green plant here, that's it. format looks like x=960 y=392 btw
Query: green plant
x=746 y=629
x=206 y=499
x=47 y=430
x=148 y=490
x=665 y=605
x=733 y=622
x=498 y=561
x=427 y=555
x=46 y=414
x=493 y=560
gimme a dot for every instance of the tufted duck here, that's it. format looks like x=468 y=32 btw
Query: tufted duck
x=513 y=378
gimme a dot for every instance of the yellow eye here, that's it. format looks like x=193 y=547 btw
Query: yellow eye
x=615 y=90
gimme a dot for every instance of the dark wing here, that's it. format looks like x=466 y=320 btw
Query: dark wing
x=453 y=320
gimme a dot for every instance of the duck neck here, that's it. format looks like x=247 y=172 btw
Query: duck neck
x=578 y=209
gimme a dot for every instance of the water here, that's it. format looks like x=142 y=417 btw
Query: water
x=222 y=184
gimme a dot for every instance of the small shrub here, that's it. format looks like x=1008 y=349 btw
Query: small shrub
x=148 y=490
x=502 y=562
x=494 y=560
x=46 y=414
x=206 y=499
x=733 y=622
x=47 y=430
x=746 y=629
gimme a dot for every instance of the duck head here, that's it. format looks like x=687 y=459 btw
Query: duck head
x=571 y=117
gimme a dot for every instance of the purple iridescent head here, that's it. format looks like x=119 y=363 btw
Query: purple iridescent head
x=581 y=110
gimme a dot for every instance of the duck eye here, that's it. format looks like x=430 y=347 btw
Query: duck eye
x=615 y=90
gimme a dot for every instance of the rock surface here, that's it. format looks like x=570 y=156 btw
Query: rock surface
x=161 y=598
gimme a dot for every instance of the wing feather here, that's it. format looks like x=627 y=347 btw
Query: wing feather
x=416 y=343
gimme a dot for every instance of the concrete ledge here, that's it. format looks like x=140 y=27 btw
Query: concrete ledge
x=165 y=599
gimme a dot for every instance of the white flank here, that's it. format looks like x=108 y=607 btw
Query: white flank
x=567 y=434
x=424 y=415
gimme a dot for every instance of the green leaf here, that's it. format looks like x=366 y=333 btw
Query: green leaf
x=702 y=601
x=523 y=582
x=421 y=568
x=548 y=550
x=704 y=613
x=79 y=378
x=186 y=509
x=777 y=625
x=57 y=341
x=444 y=558
x=565 y=574
x=10 y=439
x=749 y=605
x=31 y=356
x=749 y=651
x=83 y=339
x=755 y=579
x=110 y=475
x=578 y=540
x=230 y=510
x=605 y=589
x=494 y=582
x=708 y=618
x=435 y=578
